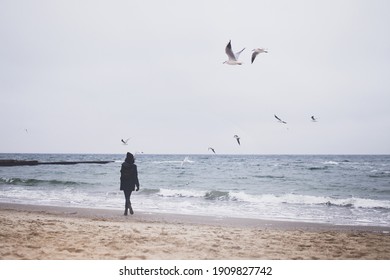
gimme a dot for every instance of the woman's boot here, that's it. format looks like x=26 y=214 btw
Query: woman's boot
x=131 y=210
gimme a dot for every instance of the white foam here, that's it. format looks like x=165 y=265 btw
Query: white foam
x=331 y=163
x=181 y=193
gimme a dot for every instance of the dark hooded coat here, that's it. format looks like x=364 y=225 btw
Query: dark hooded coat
x=129 y=175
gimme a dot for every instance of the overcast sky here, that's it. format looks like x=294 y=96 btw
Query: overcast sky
x=78 y=76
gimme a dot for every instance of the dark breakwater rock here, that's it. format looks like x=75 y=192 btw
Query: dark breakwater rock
x=13 y=162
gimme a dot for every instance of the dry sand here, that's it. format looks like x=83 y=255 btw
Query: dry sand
x=41 y=232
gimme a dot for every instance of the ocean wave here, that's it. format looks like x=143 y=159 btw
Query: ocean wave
x=317 y=168
x=217 y=195
x=330 y=162
x=185 y=193
x=379 y=174
x=270 y=199
x=147 y=191
x=359 y=203
x=185 y=160
x=352 y=202
x=328 y=203
x=269 y=176
x=35 y=182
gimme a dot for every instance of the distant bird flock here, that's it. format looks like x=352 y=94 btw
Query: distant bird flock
x=233 y=59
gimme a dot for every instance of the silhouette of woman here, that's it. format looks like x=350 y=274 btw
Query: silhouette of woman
x=129 y=180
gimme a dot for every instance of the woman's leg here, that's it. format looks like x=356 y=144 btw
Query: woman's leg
x=127 y=200
x=128 y=203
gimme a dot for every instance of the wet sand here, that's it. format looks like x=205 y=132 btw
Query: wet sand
x=60 y=233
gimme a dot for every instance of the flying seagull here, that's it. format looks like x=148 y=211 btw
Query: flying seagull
x=238 y=139
x=279 y=119
x=124 y=142
x=186 y=159
x=313 y=119
x=256 y=52
x=232 y=56
x=212 y=149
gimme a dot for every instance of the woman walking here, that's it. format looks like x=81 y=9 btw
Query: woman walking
x=129 y=180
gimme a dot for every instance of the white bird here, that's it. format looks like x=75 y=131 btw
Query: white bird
x=124 y=142
x=186 y=159
x=256 y=52
x=238 y=139
x=232 y=56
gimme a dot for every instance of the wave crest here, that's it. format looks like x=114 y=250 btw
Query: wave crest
x=217 y=195
x=269 y=199
x=35 y=182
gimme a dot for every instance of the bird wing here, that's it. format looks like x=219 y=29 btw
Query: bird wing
x=237 y=54
x=229 y=51
x=254 y=54
x=279 y=119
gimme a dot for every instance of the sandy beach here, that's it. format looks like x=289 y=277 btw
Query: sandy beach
x=44 y=232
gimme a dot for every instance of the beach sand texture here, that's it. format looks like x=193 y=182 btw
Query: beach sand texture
x=47 y=234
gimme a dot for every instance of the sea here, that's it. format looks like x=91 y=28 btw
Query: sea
x=328 y=189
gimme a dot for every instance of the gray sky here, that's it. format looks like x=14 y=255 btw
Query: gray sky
x=81 y=75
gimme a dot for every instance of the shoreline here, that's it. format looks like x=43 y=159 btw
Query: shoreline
x=61 y=233
x=175 y=218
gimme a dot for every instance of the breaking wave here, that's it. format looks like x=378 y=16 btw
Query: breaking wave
x=36 y=182
x=242 y=197
x=379 y=174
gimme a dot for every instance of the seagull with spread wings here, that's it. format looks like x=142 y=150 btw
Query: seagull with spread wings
x=124 y=142
x=233 y=57
x=238 y=139
x=256 y=52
